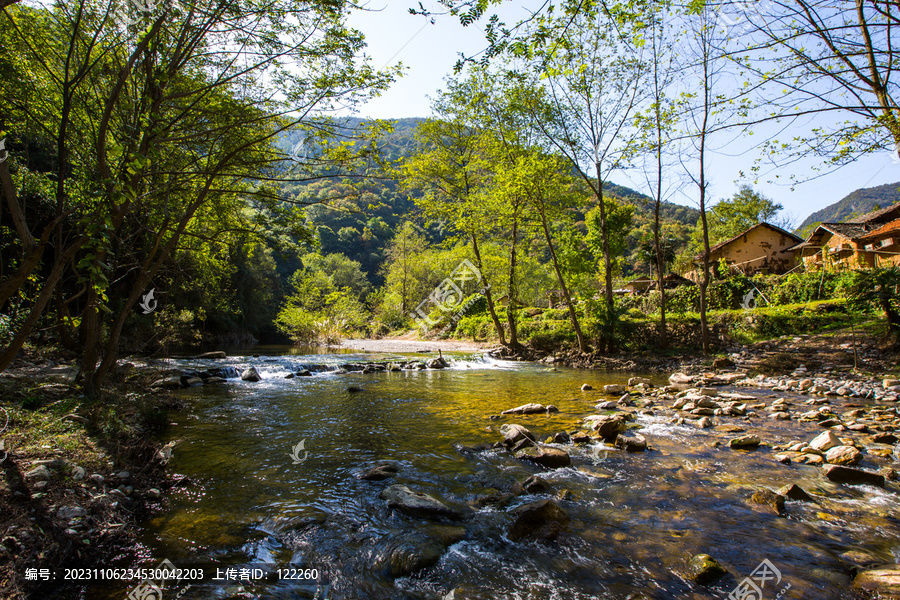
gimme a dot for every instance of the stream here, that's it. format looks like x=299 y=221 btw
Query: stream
x=299 y=519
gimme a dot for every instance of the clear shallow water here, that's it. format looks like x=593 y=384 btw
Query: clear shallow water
x=635 y=518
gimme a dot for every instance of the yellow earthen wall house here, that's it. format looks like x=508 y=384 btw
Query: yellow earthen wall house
x=763 y=248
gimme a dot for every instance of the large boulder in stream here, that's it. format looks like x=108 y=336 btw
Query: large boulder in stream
x=526 y=409
x=704 y=569
x=404 y=554
x=514 y=434
x=839 y=474
x=541 y=520
x=551 y=458
x=418 y=504
x=250 y=374
x=379 y=473
x=884 y=580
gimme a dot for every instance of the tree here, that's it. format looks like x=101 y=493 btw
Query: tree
x=825 y=59
x=618 y=225
x=449 y=172
x=657 y=145
x=742 y=211
x=702 y=109
x=594 y=80
x=168 y=138
x=404 y=257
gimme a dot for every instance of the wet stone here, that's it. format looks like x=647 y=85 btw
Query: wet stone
x=542 y=520
x=766 y=497
x=704 y=569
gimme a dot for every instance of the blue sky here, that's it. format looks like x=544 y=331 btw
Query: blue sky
x=429 y=51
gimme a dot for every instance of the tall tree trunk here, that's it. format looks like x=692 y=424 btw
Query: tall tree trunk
x=487 y=292
x=660 y=263
x=573 y=317
x=47 y=290
x=513 y=294
x=608 y=337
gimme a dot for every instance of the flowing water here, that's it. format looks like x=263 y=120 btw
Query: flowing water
x=635 y=518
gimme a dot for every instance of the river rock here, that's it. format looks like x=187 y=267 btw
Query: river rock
x=610 y=429
x=560 y=437
x=745 y=441
x=70 y=512
x=586 y=387
x=639 y=381
x=632 y=443
x=417 y=504
x=513 y=434
x=169 y=383
x=680 y=378
x=704 y=569
x=541 y=520
x=843 y=455
x=795 y=492
x=212 y=380
x=885 y=581
x=885 y=438
x=251 y=375
x=825 y=441
x=525 y=409
x=535 y=485
x=840 y=474
x=404 y=554
x=39 y=473
x=767 y=497
x=353 y=389
x=379 y=473
x=436 y=363
x=614 y=388
x=215 y=354
x=551 y=458
x=704 y=423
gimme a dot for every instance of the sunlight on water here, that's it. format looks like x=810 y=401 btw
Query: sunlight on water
x=273 y=469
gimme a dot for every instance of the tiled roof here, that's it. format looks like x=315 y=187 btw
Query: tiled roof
x=886 y=228
x=852 y=231
x=746 y=231
x=883 y=215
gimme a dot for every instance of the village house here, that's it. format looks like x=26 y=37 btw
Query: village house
x=861 y=243
x=763 y=248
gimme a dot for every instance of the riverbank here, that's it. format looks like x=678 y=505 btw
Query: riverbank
x=80 y=477
x=76 y=477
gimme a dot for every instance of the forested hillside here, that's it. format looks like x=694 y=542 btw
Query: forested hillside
x=854 y=204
